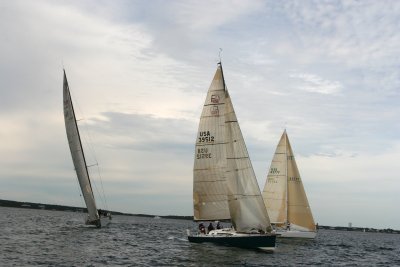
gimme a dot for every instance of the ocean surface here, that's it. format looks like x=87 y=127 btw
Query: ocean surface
x=55 y=238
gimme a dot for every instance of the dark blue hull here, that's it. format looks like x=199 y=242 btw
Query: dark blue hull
x=266 y=242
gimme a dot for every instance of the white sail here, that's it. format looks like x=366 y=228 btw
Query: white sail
x=299 y=211
x=275 y=189
x=246 y=205
x=284 y=194
x=224 y=184
x=209 y=173
x=78 y=156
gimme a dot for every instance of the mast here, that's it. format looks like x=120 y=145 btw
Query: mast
x=222 y=74
x=287 y=181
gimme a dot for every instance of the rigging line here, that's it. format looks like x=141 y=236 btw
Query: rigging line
x=88 y=140
x=101 y=193
x=102 y=187
x=98 y=192
x=83 y=204
x=93 y=154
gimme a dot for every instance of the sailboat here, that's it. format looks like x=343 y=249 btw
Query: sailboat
x=224 y=184
x=95 y=217
x=285 y=197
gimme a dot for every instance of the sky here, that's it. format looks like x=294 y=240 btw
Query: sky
x=138 y=71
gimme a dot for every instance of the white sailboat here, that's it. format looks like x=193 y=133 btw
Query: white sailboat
x=285 y=197
x=224 y=183
x=95 y=217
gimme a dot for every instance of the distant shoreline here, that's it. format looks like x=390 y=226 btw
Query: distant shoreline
x=41 y=206
x=32 y=205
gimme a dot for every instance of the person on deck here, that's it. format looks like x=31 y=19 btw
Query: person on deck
x=202 y=229
x=219 y=225
x=210 y=227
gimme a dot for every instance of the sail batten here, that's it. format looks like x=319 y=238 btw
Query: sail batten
x=77 y=153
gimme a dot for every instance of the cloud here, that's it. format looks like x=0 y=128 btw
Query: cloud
x=198 y=16
x=313 y=83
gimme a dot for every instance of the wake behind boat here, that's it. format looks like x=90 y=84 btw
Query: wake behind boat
x=224 y=183
x=95 y=217
x=285 y=197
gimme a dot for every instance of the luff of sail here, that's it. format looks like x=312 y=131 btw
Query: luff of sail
x=77 y=154
x=209 y=173
x=284 y=193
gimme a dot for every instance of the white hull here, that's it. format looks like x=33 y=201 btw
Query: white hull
x=295 y=234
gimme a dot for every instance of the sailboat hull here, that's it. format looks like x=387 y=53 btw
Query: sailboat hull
x=103 y=221
x=242 y=240
x=96 y=223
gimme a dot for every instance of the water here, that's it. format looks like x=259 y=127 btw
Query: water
x=55 y=238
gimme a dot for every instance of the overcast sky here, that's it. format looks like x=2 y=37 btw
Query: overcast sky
x=139 y=71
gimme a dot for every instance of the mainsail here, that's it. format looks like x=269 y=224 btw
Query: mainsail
x=225 y=185
x=284 y=194
x=78 y=156
x=209 y=174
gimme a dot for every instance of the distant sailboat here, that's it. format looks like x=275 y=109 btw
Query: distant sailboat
x=224 y=183
x=95 y=217
x=284 y=195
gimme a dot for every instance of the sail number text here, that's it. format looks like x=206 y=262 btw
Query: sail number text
x=202 y=153
x=294 y=179
x=205 y=137
x=274 y=171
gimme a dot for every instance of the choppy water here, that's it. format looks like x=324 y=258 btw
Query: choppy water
x=54 y=238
